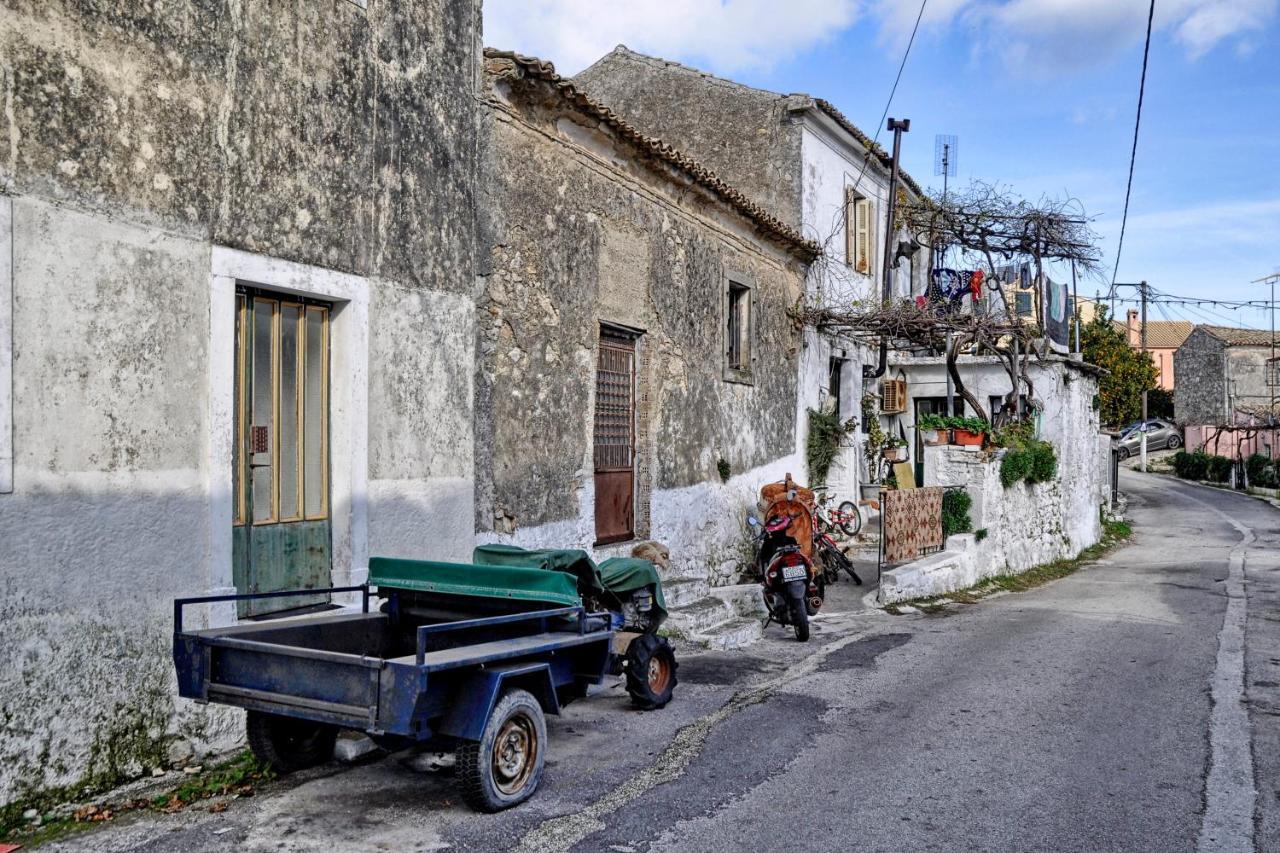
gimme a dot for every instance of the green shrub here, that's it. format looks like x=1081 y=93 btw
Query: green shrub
x=1015 y=466
x=1261 y=471
x=1191 y=466
x=979 y=534
x=826 y=432
x=955 y=512
x=1044 y=462
x=723 y=469
x=1219 y=469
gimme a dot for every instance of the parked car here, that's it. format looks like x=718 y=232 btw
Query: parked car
x=1161 y=435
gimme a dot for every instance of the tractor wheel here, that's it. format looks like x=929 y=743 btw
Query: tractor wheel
x=286 y=744
x=505 y=766
x=651 y=671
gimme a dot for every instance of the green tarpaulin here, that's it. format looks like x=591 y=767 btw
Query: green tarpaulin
x=517 y=583
x=617 y=574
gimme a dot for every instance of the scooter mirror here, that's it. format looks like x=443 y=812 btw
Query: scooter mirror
x=753 y=521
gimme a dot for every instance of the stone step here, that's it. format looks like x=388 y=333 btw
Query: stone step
x=680 y=592
x=745 y=599
x=733 y=634
x=700 y=616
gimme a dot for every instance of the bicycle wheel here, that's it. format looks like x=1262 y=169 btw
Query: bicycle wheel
x=850 y=518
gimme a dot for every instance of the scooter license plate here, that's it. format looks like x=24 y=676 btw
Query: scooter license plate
x=793 y=573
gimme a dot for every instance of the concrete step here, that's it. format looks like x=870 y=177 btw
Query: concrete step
x=700 y=616
x=733 y=634
x=680 y=592
x=744 y=599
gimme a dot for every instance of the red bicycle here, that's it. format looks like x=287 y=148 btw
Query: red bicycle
x=845 y=517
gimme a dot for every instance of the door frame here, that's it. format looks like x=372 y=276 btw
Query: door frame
x=634 y=337
x=348 y=410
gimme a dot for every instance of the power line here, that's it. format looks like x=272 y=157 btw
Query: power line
x=1133 y=155
x=893 y=91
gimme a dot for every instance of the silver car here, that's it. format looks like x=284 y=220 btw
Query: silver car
x=1161 y=435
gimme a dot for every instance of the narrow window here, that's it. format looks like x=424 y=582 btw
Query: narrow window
x=835 y=374
x=858 y=232
x=738 y=330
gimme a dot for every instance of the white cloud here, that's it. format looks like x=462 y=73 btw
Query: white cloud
x=723 y=35
x=1052 y=35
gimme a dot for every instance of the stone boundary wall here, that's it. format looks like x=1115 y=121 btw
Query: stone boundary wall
x=1027 y=525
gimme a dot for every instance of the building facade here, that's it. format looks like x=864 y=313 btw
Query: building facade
x=1164 y=337
x=1224 y=373
x=637 y=372
x=238 y=333
x=812 y=168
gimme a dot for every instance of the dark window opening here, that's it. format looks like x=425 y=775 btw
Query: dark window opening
x=835 y=374
x=739 y=325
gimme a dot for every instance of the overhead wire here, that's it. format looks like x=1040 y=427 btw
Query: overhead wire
x=866 y=161
x=1133 y=154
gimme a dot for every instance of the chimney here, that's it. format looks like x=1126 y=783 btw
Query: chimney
x=1135 y=328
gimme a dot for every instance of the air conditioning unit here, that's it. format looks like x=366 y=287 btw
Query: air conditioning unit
x=893 y=396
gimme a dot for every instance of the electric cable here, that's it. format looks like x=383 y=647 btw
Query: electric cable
x=1133 y=154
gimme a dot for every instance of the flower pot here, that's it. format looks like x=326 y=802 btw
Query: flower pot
x=893 y=454
x=871 y=491
x=964 y=438
x=935 y=437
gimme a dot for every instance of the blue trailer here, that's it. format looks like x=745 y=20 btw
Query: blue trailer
x=468 y=657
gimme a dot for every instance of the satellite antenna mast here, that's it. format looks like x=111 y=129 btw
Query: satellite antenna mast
x=946 y=153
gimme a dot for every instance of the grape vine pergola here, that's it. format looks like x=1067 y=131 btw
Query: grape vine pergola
x=987 y=226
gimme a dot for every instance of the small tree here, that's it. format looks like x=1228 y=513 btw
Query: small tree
x=1130 y=371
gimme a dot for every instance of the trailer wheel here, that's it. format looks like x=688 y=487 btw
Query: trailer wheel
x=651 y=671
x=505 y=766
x=286 y=744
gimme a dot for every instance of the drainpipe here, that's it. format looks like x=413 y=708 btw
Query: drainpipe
x=898 y=127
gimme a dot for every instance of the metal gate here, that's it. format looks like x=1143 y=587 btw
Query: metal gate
x=614 y=438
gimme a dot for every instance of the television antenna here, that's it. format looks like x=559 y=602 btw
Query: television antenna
x=946 y=153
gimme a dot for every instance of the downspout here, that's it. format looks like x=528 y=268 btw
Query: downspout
x=898 y=127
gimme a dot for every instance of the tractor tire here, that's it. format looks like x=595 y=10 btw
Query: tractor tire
x=287 y=745
x=504 y=767
x=799 y=609
x=651 y=671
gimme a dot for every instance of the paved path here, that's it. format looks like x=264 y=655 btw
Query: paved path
x=1101 y=712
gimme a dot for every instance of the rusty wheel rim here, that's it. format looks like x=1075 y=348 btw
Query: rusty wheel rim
x=515 y=754
x=659 y=674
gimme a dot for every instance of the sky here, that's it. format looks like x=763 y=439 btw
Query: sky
x=1041 y=94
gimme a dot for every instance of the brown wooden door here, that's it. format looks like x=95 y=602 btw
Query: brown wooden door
x=615 y=438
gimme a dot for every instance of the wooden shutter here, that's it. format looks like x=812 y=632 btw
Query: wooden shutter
x=850 y=226
x=863 y=236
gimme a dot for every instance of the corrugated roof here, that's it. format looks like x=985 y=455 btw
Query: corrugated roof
x=770 y=224
x=1232 y=336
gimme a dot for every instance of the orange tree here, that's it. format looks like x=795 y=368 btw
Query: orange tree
x=1130 y=372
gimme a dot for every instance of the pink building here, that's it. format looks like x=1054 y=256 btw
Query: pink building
x=1163 y=339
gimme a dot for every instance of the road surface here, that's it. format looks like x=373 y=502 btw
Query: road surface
x=1134 y=705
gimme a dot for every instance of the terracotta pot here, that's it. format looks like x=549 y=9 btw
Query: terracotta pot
x=892 y=454
x=936 y=437
x=964 y=438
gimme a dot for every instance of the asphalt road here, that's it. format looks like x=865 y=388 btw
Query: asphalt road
x=1132 y=706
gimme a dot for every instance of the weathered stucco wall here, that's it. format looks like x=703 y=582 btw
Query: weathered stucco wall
x=1027 y=525
x=740 y=133
x=136 y=138
x=581 y=230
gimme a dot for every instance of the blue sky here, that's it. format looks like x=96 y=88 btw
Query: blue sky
x=1041 y=94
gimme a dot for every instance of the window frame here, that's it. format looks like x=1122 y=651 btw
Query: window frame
x=859 y=221
x=738 y=283
x=1271 y=371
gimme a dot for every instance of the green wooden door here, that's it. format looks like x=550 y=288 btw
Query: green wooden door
x=280 y=459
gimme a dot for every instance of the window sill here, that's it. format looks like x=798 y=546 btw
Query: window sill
x=738 y=377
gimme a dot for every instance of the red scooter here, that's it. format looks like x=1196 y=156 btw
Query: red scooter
x=793 y=590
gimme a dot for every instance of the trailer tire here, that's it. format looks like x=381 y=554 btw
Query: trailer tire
x=651 y=671
x=286 y=744
x=504 y=767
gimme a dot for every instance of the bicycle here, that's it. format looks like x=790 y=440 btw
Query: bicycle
x=845 y=517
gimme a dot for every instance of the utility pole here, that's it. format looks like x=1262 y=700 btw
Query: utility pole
x=898 y=127
x=1142 y=289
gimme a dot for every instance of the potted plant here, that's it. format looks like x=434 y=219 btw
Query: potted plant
x=894 y=450
x=968 y=432
x=934 y=429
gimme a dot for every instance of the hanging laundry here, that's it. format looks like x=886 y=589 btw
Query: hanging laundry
x=975 y=284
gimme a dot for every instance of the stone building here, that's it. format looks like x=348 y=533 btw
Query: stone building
x=1222 y=371
x=637 y=372
x=815 y=170
x=235 y=302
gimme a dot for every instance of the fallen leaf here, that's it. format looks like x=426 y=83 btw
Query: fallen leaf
x=220 y=806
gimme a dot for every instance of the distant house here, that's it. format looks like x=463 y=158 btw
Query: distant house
x=1228 y=377
x=1163 y=339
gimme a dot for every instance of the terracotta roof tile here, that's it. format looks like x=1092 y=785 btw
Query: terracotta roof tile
x=1239 y=337
x=543 y=70
x=866 y=142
